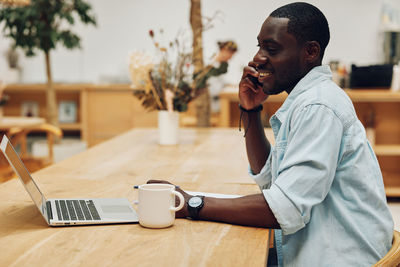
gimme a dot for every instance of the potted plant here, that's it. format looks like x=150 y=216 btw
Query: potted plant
x=41 y=25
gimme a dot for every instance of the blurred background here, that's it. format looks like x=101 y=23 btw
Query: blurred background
x=357 y=35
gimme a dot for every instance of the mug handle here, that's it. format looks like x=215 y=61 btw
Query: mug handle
x=181 y=201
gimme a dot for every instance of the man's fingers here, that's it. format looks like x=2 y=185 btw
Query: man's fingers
x=249 y=71
x=246 y=83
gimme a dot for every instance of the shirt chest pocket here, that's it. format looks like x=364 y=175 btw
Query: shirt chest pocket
x=278 y=153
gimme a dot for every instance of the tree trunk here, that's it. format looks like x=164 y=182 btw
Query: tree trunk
x=203 y=101
x=51 y=102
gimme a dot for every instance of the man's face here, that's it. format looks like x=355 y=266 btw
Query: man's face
x=279 y=59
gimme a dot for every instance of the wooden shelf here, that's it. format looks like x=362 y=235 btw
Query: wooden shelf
x=71 y=126
x=373 y=95
x=40 y=87
x=392 y=183
x=387 y=150
x=356 y=95
x=95 y=123
x=392 y=191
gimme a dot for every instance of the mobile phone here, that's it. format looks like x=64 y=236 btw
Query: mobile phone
x=255 y=80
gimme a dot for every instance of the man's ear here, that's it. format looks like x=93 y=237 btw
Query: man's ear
x=312 y=51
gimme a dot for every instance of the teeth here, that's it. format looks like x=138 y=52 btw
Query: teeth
x=264 y=74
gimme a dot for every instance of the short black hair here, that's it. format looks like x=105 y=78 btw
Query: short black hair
x=306 y=23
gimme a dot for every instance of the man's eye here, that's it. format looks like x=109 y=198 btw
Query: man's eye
x=272 y=51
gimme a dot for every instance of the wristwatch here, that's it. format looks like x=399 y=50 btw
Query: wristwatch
x=194 y=205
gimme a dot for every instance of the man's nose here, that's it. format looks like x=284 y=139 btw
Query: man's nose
x=260 y=59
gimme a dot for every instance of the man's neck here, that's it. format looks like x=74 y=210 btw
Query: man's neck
x=308 y=69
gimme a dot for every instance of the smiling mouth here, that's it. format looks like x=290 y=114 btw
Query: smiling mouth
x=264 y=74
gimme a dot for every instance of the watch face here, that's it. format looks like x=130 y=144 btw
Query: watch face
x=195 y=202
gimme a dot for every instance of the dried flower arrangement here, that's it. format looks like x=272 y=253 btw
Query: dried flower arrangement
x=171 y=83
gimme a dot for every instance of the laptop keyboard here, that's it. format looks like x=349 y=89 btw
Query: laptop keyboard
x=72 y=210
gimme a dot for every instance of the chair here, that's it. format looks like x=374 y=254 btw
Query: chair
x=392 y=258
x=18 y=136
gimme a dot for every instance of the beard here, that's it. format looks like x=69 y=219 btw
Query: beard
x=283 y=81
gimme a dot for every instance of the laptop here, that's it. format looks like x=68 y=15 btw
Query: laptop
x=66 y=212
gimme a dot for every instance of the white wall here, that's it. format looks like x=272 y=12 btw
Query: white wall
x=123 y=26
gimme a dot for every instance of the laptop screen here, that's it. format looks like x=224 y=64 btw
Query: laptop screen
x=19 y=167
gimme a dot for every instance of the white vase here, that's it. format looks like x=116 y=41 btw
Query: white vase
x=168 y=127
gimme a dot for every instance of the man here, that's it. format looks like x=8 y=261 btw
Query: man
x=321 y=183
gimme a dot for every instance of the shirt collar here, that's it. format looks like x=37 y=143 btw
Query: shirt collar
x=314 y=76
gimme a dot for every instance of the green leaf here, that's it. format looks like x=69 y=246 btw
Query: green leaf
x=38 y=25
x=69 y=39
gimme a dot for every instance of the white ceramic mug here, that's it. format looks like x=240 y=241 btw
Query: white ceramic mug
x=157 y=205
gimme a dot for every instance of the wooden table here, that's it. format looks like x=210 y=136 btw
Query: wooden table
x=211 y=160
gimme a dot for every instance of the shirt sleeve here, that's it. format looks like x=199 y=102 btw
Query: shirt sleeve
x=307 y=166
x=264 y=177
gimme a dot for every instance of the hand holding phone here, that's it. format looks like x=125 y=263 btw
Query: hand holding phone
x=251 y=94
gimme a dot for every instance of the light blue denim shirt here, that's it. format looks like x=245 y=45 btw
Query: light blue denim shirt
x=322 y=180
